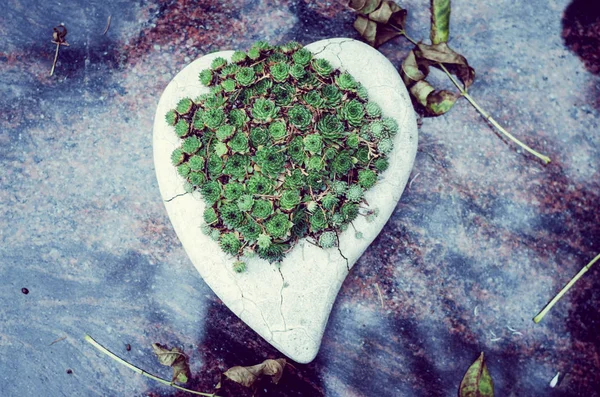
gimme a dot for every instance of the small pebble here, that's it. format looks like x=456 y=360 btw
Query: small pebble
x=69 y=371
x=128 y=347
x=25 y=291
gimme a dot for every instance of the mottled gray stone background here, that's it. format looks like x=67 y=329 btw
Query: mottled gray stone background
x=483 y=237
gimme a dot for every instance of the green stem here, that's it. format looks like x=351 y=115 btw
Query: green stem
x=489 y=118
x=483 y=113
x=141 y=371
x=563 y=291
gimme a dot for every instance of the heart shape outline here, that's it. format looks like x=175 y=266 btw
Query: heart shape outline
x=288 y=305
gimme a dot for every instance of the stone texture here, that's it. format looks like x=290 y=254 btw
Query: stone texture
x=288 y=305
x=482 y=238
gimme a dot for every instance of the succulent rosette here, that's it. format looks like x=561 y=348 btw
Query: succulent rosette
x=283 y=147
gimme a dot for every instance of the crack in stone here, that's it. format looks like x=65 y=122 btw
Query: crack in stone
x=281 y=296
x=174 y=197
x=340 y=251
x=294 y=329
x=339 y=43
x=255 y=305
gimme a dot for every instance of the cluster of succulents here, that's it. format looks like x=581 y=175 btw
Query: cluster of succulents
x=283 y=147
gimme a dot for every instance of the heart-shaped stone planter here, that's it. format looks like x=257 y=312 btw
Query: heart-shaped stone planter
x=289 y=304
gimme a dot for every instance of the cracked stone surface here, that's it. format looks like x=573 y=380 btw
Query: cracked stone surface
x=289 y=304
x=482 y=238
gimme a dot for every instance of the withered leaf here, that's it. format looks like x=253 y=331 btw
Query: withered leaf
x=477 y=382
x=440 y=102
x=59 y=35
x=435 y=102
x=380 y=21
x=440 y=21
x=174 y=358
x=364 y=6
x=421 y=90
x=411 y=72
x=431 y=55
x=246 y=376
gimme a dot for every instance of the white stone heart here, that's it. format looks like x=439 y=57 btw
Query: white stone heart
x=289 y=305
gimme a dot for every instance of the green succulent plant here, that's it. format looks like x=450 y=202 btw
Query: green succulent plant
x=238 y=57
x=182 y=128
x=171 y=117
x=345 y=81
x=210 y=215
x=278 y=225
x=322 y=67
x=259 y=136
x=280 y=71
x=353 y=112
x=297 y=71
x=245 y=202
x=313 y=143
x=282 y=146
x=230 y=243
x=177 y=157
x=328 y=239
x=245 y=76
x=264 y=110
x=184 y=106
x=191 y=145
x=277 y=130
x=262 y=209
x=289 y=199
x=300 y=116
x=206 y=77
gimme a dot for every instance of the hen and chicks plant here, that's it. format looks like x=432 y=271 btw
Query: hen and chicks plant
x=283 y=147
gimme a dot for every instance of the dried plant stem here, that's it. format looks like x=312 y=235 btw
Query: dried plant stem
x=141 y=371
x=489 y=118
x=563 y=291
x=55 y=59
x=481 y=111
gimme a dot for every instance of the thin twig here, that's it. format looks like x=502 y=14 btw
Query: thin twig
x=141 y=371
x=55 y=59
x=107 y=25
x=57 y=340
x=412 y=180
x=563 y=291
x=380 y=295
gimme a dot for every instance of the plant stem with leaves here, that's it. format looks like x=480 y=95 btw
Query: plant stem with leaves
x=140 y=371
x=484 y=114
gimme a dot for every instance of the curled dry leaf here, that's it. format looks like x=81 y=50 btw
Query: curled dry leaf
x=477 y=382
x=432 y=55
x=379 y=21
x=413 y=74
x=246 y=376
x=174 y=358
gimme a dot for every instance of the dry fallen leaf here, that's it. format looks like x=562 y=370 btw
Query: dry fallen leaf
x=246 y=376
x=380 y=21
x=477 y=381
x=174 y=358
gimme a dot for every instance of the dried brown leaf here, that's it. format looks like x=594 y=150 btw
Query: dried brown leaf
x=421 y=90
x=457 y=64
x=246 y=376
x=411 y=71
x=440 y=102
x=380 y=21
x=174 y=358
